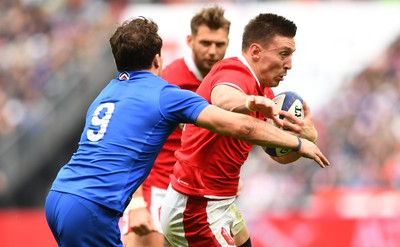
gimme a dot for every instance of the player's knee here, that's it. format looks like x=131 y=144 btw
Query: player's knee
x=246 y=244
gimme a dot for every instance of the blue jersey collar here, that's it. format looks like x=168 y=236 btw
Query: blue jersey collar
x=128 y=75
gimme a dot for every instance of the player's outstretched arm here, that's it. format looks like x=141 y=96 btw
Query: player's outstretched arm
x=234 y=100
x=257 y=132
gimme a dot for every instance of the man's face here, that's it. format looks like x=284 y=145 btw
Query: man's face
x=274 y=61
x=208 y=47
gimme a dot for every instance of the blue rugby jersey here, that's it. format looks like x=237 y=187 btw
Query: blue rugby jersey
x=126 y=126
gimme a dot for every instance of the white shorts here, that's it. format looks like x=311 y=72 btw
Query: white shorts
x=199 y=221
x=154 y=205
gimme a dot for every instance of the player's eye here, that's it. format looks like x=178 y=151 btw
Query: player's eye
x=206 y=43
x=220 y=44
x=285 y=54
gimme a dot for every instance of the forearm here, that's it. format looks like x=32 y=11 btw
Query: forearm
x=245 y=128
x=257 y=132
x=230 y=99
x=265 y=134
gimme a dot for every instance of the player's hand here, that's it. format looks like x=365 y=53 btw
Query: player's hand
x=266 y=107
x=311 y=151
x=140 y=221
x=300 y=127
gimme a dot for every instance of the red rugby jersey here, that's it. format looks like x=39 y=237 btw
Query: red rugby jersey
x=209 y=164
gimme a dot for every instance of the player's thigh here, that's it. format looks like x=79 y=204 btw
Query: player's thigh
x=226 y=222
x=242 y=236
x=171 y=218
x=197 y=221
x=239 y=229
x=153 y=239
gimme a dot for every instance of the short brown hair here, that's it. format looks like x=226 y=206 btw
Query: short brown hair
x=212 y=17
x=135 y=43
x=264 y=27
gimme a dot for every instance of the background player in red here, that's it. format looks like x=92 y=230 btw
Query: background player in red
x=199 y=208
x=208 y=42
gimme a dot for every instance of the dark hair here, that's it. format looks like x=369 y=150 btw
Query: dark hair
x=135 y=43
x=212 y=17
x=264 y=27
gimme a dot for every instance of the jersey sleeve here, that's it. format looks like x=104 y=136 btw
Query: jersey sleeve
x=179 y=105
x=234 y=76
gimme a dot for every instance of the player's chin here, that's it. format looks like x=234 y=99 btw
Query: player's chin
x=275 y=83
x=209 y=64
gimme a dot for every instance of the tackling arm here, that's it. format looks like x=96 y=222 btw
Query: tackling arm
x=234 y=100
x=256 y=131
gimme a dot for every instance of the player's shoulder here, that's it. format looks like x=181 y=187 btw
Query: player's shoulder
x=230 y=63
x=231 y=68
x=230 y=60
x=180 y=73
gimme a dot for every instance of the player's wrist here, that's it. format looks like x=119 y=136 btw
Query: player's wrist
x=297 y=148
x=248 y=99
x=137 y=202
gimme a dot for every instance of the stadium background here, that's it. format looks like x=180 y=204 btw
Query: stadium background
x=55 y=58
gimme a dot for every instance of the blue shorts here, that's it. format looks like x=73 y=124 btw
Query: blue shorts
x=75 y=221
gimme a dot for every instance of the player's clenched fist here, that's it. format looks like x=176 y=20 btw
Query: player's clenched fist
x=140 y=221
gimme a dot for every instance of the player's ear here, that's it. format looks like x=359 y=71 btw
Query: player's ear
x=255 y=50
x=189 y=40
x=157 y=61
x=157 y=64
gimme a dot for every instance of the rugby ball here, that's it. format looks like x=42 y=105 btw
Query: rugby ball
x=290 y=102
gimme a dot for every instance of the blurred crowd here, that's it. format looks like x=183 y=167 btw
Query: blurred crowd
x=359 y=126
x=39 y=39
